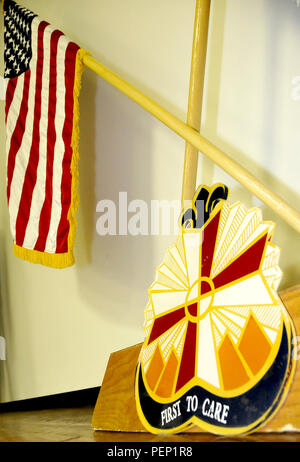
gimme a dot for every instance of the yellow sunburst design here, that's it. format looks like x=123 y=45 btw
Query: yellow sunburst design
x=214 y=318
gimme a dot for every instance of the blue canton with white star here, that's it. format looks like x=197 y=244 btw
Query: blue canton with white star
x=17 y=39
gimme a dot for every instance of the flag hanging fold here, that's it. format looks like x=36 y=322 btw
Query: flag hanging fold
x=43 y=71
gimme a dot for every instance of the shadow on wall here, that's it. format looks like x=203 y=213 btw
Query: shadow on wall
x=87 y=151
x=280 y=126
x=285 y=237
x=115 y=150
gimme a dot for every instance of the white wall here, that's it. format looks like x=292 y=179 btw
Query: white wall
x=61 y=325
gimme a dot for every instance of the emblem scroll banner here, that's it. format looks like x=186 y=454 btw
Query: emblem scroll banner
x=217 y=350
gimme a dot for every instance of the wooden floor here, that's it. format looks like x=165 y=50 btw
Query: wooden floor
x=74 y=425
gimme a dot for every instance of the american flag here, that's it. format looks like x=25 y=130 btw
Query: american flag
x=42 y=72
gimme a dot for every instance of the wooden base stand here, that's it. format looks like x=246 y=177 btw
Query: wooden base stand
x=115 y=408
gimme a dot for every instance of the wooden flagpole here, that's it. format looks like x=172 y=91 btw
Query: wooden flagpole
x=196 y=90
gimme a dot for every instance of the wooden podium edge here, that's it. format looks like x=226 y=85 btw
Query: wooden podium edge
x=115 y=409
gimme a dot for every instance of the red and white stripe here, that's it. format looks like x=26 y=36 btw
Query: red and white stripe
x=39 y=118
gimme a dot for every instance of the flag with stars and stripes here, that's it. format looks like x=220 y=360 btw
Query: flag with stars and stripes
x=43 y=71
